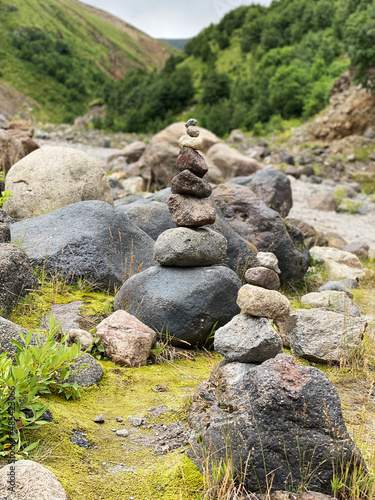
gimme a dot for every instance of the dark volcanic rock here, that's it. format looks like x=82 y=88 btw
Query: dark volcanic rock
x=190 y=159
x=183 y=302
x=272 y=187
x=153 y=217
x=188 y=183
x=88 y=239
x=280 y=423
x=264 y=228
x=16 y=276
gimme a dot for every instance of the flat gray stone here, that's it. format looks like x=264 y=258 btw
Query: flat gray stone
x=184 y=246
x=248 y=339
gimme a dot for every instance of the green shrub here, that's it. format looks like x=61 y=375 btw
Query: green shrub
x=38 y=369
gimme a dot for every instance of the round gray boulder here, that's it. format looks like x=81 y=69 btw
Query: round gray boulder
x=184 y=246
x=182 y=303
x=51 y=178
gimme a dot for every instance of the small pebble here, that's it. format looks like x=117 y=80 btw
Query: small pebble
x=99 y=419
x=119 y=419
x=191 y=123
x=122 y=433
x=192 y=131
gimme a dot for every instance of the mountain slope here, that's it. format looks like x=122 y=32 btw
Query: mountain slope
x=60 y=53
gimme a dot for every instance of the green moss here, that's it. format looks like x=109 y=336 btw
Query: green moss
x=122 y=392
x=34 y=307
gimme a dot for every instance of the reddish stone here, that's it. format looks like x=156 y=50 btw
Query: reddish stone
x=188 y=183
x=190 y=159
x=126 y=339
x=189 y=211
x=261 y=276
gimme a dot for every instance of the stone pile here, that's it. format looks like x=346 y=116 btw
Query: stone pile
x=249 y=337
x=262 y=408
x=188 y=293
x=190 y=244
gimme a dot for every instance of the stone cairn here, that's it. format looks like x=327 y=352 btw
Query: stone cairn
x=249 y=337
x=190 y=244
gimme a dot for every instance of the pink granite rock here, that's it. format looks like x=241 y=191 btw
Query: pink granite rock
x=126 y=340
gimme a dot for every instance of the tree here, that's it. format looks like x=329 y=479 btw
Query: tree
x=216 y=87
x=287 y=90
x=359 y=36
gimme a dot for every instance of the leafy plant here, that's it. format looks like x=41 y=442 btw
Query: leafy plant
x=38 y=369
x=4 y=195
x=97 y=349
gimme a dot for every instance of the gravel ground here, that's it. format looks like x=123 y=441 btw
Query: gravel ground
x=351 y=227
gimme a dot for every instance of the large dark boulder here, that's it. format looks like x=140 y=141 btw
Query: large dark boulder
x=271 y=186
x=16 y=276
x=153 y=217
x=88 y=239
x=263 y=227
x=183 y=303
x=280 y=423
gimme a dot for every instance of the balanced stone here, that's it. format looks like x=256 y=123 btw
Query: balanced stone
x=192 y=131
x=248 y=339
x=269 y=260
x=189 y=159
x=191 y=123
x=264 y=277
x=258 y=301
x=183 y=246
x=191 y=142
x=189 y=211
x=188 y=183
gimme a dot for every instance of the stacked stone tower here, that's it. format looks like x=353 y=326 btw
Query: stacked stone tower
x=189 y=292
x=190 y=244
x=249 y=337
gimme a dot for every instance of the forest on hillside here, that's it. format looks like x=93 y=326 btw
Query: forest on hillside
x=258 y=66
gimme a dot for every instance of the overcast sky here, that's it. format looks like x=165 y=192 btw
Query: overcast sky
x=171 y=18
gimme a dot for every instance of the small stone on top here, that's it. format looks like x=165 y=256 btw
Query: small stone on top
x=192 y=131
x=191 y=123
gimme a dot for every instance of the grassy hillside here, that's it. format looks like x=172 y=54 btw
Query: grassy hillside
x=257 y=67
x=61 y=52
